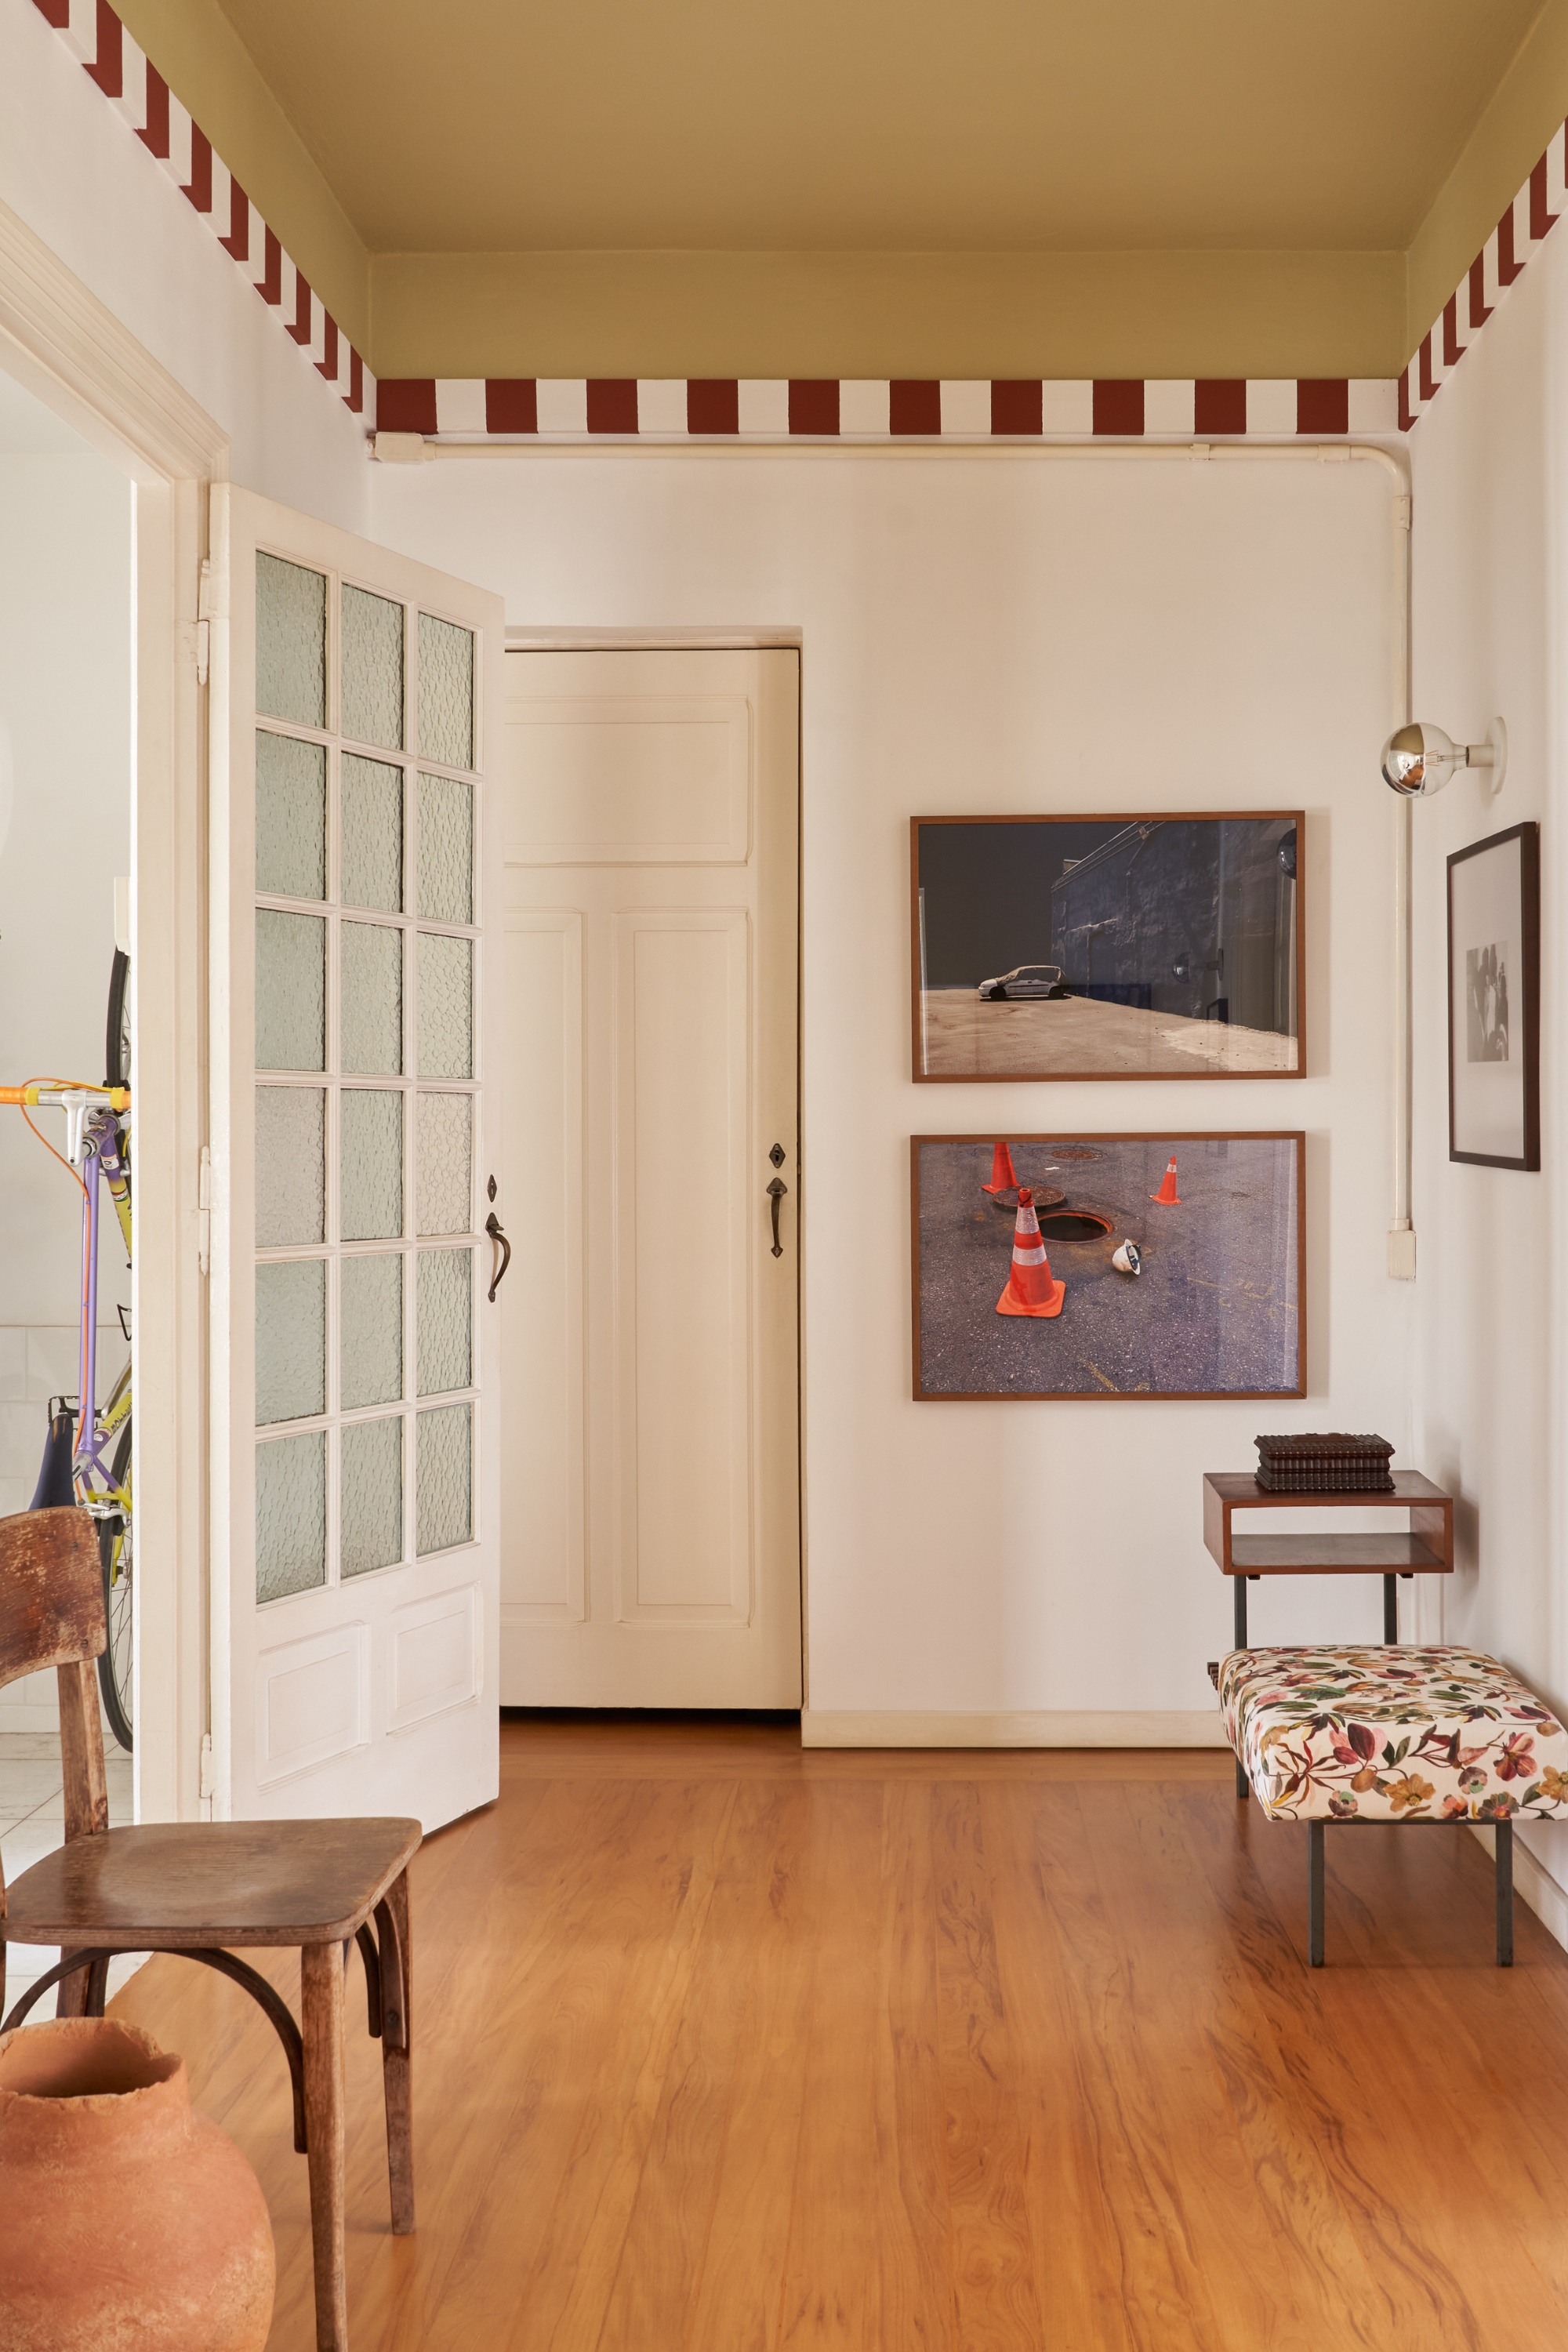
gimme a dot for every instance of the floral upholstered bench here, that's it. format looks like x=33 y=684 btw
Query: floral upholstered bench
x=1389 y=1734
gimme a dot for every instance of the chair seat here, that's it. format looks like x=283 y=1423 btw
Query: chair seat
x=1392 y=1733
x=183 y=1886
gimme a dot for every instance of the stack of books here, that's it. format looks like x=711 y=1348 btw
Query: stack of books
x=1324 y=1463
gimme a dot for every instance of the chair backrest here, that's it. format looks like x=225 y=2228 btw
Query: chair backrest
x=51 y=1614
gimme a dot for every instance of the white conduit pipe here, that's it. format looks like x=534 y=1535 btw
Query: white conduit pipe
x=1401 y=1231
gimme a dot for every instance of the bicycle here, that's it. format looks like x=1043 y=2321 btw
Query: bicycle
x=74 y=1468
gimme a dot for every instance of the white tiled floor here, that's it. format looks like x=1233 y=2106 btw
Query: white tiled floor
x=32 y=1824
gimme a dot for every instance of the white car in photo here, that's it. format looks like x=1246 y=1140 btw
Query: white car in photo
x=1026 y=981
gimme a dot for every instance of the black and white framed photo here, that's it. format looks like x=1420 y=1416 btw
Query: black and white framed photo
x=1494 y=1001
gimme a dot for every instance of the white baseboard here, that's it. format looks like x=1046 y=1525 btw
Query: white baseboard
x=819 y=1728
x=27 y=1715
x=1534 y=1885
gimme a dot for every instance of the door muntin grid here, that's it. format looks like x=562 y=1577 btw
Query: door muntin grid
x=328 y=1508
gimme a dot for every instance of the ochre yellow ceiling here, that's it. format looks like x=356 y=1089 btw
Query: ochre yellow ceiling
x=478 y=126
x=1224 y=187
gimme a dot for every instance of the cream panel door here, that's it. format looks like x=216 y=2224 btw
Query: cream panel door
x=651 y=1523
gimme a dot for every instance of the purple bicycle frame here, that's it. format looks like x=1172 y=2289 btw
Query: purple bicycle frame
x=100 y=1157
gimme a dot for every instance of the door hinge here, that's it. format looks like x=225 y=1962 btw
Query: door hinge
x=204 y=622
x=204 y=1210
x=207 y=1787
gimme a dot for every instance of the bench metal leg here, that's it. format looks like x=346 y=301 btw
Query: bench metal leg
x=1315 y=1894
x=1505 y=1894
x=1239 y=1584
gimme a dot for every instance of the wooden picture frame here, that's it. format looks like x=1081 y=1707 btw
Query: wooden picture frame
x=1178 y=938
x=1222 y=1288
x=1494 y=999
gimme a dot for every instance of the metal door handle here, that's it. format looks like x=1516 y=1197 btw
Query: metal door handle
x=503 y=1249
x=776 y=1191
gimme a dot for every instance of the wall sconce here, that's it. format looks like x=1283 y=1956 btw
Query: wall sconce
x=1418 y=759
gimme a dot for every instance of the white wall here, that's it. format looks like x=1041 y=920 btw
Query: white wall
x=1490 y=549
x=984 y=635
x=66 y=728
x=82 y=180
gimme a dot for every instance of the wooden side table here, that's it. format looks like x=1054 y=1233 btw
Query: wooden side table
x=1425 y=1547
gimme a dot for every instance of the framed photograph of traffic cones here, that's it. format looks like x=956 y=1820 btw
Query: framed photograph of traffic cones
x=1139 y=1266
x=1108 y=947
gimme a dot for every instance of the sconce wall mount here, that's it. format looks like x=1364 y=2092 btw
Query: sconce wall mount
x=1418 y=759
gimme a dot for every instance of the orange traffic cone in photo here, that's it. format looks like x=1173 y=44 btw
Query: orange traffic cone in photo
x=1166 y=1196
x=1030 y=1290
x=1003 y=1180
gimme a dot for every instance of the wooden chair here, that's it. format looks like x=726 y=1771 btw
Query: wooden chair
x=201 y=1888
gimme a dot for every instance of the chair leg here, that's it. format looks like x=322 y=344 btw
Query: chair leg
x=1242 y=1785
x=1505 y=1894
x=398 y=2051
x=75 y=1994
x=321 y=2008
x=1315 y=1894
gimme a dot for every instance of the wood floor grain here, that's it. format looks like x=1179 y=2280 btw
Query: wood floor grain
x=726 y=2047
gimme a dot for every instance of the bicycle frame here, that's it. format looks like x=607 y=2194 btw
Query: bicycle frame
x=100 y=1161
x=93 y=1153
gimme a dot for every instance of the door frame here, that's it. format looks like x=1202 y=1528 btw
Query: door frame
x=67 y=349
x=781 y=638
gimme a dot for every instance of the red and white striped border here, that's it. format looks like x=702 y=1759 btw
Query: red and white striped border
x=797 y=408
x=138 y=92
x=1519 y=234
x=691 y=408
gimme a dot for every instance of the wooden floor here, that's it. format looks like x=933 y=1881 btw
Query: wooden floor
x=721 y=2044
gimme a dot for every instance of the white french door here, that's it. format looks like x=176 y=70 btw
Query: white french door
x=355 y=1355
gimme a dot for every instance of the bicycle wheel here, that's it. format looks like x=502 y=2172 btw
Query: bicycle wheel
x=117 y=1040
x=117 y=1663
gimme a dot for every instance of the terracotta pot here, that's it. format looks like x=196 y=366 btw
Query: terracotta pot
x=126 y=2219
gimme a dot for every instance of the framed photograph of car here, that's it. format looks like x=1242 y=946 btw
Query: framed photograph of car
x=1108 y=947
x=1494 y=1001
x=1133 y=1266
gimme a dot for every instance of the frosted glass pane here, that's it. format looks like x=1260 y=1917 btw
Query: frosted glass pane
x=290 y=1166
x=444 y=1157
x=290 y=1340
x=291 y=991
x=372 y=669
x=444 y=1477
x=444 y=1320
x=370 y=1014
x=290 y=817
x=370 y=803
x=445 y=1006
x=370 y=1324
x=372 y=1161
x=446 y=693
x=290 y=643
x=371 y=1463
x=446 y=850
x=291 y=1514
